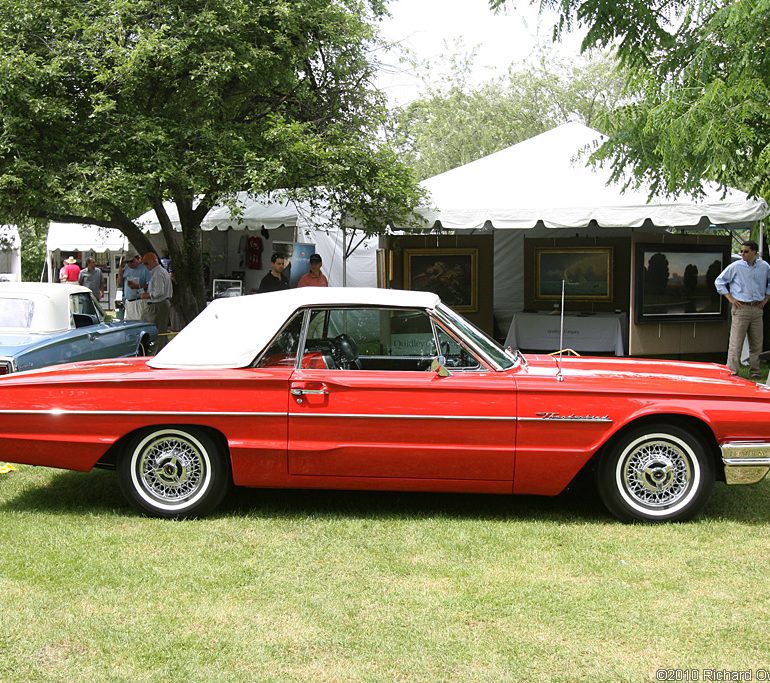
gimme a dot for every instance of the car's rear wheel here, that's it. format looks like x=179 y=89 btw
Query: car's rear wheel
x=656 y=473
x=141 y=350
x=174 y=472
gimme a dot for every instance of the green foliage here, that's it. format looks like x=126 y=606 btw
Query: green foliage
x=455 y=122
x=108 y=107
x=33 y=249
x=700 y=88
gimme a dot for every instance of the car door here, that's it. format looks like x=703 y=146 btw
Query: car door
x=381 y=412
x=97 y=339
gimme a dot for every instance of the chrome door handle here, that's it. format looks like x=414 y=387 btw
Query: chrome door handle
x=302 y=392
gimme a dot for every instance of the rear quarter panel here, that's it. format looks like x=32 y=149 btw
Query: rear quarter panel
x=71 y=420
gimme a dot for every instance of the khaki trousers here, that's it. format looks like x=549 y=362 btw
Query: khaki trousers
x=135 y=310
x=158 y=315
x=746 y=320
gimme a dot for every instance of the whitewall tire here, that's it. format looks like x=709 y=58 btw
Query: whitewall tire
x=174 y=472
x=656 y=473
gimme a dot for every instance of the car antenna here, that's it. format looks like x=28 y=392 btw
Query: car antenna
x=559 y=375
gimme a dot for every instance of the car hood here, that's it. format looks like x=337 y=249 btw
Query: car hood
x=642 y=375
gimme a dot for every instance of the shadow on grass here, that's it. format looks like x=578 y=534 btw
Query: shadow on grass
x=63 y=491
x=97 y=493
x=568 y=508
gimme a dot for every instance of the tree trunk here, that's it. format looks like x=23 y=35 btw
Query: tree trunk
x=189 y=288
x=186 y=258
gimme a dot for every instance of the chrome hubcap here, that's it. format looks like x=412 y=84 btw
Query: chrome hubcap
x=171 y=469
x=657 y=473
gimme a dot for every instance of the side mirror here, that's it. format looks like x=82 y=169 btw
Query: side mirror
x=437 y=366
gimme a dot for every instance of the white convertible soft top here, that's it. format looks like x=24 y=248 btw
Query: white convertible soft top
x=231 y=332
x=50 y=304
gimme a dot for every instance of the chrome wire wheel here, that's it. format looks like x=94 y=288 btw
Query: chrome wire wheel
x=172 y=468
x=174 y=472
x=656 y=472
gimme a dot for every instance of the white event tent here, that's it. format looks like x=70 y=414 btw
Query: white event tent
x=106 y=244
x=286 y=221
x=544 y=187
x=546 y=181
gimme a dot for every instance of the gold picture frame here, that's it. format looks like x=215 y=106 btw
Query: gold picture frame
x=453 y=274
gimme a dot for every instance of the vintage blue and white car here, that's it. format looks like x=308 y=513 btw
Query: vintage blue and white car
x=48 y=323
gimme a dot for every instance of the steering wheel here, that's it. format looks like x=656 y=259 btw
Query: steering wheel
x=345 y=352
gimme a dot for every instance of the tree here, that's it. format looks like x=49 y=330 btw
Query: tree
x=690 y=277
x=700 y=84
x=455 y=122
x=657 y=275
x=110 y=107
x=33 y=235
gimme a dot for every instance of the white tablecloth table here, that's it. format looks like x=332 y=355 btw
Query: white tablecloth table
x=596 y=332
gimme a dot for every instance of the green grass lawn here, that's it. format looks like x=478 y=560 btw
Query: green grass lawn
x=349 y=586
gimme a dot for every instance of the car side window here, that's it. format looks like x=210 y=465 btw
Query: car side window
x=83 y=306
x=282 y=351
x=358 y=338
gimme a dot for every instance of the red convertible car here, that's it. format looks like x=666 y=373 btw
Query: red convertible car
x=389 y=390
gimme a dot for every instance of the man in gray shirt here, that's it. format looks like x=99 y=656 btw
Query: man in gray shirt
x=91 y=277
x=133 y=277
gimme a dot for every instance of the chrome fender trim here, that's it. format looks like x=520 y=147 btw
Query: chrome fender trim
x=746 y=462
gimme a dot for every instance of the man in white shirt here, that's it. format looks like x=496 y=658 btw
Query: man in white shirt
x=746 y=285
x=158 y=296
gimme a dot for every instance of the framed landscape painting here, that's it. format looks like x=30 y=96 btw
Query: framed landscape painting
x=675 y=282
x=451 y=273
x=585 y=271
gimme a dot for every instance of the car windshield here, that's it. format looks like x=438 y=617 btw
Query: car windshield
x=17 y=313
x=475 y=336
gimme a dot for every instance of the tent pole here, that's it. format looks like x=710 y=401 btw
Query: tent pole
x=344 y=256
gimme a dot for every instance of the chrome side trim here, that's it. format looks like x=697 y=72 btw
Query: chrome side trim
x=390 y=416
x=746 y=462
x=55 y=412
x=353 y=416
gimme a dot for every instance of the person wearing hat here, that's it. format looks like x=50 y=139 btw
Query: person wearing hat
x=315 y=278
x=70 y=272
x=133 y=278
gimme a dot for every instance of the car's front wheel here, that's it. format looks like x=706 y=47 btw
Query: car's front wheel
x=174 y=472
x=656 y=473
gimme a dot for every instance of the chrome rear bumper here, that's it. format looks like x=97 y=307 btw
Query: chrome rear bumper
x=746 y=462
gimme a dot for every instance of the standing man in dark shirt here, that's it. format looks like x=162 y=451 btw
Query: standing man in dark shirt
x=274 y=281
